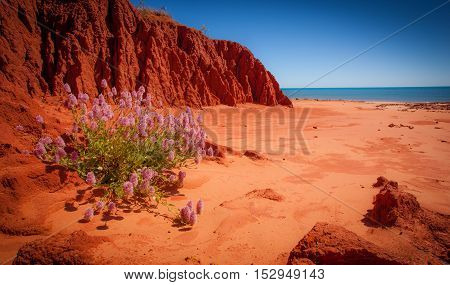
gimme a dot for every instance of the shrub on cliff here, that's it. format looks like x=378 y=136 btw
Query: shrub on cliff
x=118 y=142
x=154 y=14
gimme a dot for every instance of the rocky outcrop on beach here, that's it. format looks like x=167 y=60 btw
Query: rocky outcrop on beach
x=432 y=107
x=393 y=206
x=47 y=43
x=331 y=244
x=72 y=249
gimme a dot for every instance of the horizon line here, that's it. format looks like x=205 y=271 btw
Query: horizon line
x=366 y=87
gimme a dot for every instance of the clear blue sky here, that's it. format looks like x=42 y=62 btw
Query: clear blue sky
x=298 y=41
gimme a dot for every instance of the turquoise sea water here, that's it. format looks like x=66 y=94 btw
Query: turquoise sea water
x=384 y=94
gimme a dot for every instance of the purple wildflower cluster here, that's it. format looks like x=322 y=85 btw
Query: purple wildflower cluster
x=39 y=119
x=48 y=149
x=98 y=207
x=20 y=128
x=90 y=178
x=188 y=215
x=88 y=214
x=118 y=140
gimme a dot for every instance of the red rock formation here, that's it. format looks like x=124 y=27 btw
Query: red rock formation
x=394 y=207
x=331 y=244
x=74 y=249
x=47 y=43
x=428 y=230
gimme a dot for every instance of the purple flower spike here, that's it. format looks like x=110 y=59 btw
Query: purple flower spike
x=190 y=205
x=93 y=125
x=134 y=179
x=83 y=97
x=111 y=207
x=20 y=128
x=128 y=188
x=60 y=142
x=88 y=214
x=164 y=144
x=99 y=206
x=67 y=88
x=181 y=175
x=144 y=186
x=39 y=119
x=74 y=155
x=124 y=121
x=60 y=153
x=172 y=178
x=193 y=218
x=200 y=207
x=40 y=150
x=104 y=84
x=171 y=155
x=46 y=140
x=143 y=129
x=72 y=101
x=185 y=214
x=199 y=119
x=138 y=110
x=131 y=120
x=160 y=119
x=90 y=178
x=147 y=173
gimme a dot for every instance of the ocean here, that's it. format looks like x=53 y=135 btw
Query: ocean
x=382 y=94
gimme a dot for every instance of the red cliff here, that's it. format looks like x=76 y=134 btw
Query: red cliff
x=47 y=43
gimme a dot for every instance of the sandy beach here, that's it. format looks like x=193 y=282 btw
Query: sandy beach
x=312 y=163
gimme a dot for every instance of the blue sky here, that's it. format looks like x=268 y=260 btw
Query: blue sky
x=299 y=41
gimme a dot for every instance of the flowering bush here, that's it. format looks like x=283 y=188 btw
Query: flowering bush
x=120 y=143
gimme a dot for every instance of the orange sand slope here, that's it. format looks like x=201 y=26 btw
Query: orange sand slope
x=318 y=163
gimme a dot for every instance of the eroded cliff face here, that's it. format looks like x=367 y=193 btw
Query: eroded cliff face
x=47 y=43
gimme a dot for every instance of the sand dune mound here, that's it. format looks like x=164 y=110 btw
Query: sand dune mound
x=332 y=244
x=29 y=193
x=265 y=194
x=60 y=249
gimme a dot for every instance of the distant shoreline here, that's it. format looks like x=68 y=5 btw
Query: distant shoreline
x=439 y=94
x=385 y=87
x=368 y=101
x=429 y=106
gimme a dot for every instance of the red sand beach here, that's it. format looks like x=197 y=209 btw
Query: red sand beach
x=258 y=206
x=283 y=181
